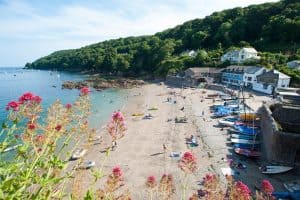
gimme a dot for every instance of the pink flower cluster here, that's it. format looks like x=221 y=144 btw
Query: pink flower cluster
x=27 y=97
x=188 y=162
x=84 y=91
x=116 y=127
x=243 y=190
x=209 y=179
x=267 y=187
x=117 y=172
x=151 y=182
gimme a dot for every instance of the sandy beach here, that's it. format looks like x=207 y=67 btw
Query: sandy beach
x=140 y=153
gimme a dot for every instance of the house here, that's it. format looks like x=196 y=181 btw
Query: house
x=295 y=64
x=250 y=74
x=192 y=77
x=240 y=56
x=240 y=75
x=207 y=74
x=269 y=80
x=190 y=53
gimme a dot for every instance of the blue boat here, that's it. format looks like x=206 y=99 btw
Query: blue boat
x=286 y=195
x=241 y=136
x=246 y=146
x=246 y=129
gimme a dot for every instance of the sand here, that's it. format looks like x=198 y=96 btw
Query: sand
x=140 y=153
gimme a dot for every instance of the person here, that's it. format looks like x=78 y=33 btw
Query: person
x=202 y=112
x=164 y=148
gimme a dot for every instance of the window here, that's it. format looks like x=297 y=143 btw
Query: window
x=249 y=79
x=265 y=86
x=282 y=85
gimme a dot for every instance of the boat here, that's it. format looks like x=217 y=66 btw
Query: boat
x=292 y=186
x=244 y=141
x=241 y=136
x=78 y=153
x=248 y=116
x=246 y=146
x=246 y=129
x=149 y=116
x=180 y=120
x=90 y=164
x=137 y=114
x=286 y=195
x=175 y=154
x=11 y=148
x=247 y=152
x=227 y=121
x=275 y=169
x=153 y=108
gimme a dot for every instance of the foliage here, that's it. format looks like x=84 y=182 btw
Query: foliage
x=269 y=26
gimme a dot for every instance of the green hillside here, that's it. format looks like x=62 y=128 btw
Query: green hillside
x=269 y=27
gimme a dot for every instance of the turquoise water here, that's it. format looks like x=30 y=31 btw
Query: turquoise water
x=47 y=84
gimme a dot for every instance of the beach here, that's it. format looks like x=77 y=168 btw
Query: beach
x=140 y=152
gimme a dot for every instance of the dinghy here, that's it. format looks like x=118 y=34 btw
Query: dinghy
x=243 y=141
x=78 y=153
x=292 y=186
x=248 y=116
x=247 y=152
x=137 y=114
x=275 y=169
x=246 y=146
x=11 y=148
x=224 y=122
x=90 y=164
x=241 y=136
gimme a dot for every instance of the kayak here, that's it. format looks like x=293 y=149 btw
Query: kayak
x=275 y=169
x=247 y=152
x=244 y=141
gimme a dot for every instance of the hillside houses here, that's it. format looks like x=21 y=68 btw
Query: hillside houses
x=240 y=56
x=295 y=64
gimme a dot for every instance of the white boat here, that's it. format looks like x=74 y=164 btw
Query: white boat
x=90 y=164
x=12 y=148
x=244 y=141
x=78 y=153
x=292 y=186
x=275 y=169
x=225 y=123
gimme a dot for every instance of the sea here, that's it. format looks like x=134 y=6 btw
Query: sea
x=14 y=81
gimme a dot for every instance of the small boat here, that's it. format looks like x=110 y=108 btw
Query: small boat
x=241 y=136
x=244 y=141
x=90 y=164
x=248 y=116
x=275 y=169
x=246 y=129
x=292 y=186
x=149 y=116
x=153 y=108
x=224 y=122
x=11 y=148
x=175 y=154
x=137 y=114
x=180 y=120
x=78 y=153
x=246 y=146
x=247 y=152
x=286 y=195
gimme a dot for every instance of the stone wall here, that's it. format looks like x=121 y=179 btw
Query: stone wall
x=277 y=146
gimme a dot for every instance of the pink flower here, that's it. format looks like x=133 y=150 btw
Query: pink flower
x=117 y=172
x=188 y=162
x=118 y=116
x=243 y=190
x=36 y=99
x=68 y=106
x=58 y=127
x=208 y=179
x=39 y=138
x=26 y=97
x=84 y=91
x=267 y=187
x=13 y=105
x=31 y=126
x=151 y=182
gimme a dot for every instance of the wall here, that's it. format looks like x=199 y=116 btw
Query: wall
x=277 y=146
x=260 y=88
x=285 y=82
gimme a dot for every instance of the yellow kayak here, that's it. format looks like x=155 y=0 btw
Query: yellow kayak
x=137 y=114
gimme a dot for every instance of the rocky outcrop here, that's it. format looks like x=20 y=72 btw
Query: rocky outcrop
x=100 y=83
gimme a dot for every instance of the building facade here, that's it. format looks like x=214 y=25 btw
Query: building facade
x=240 y=56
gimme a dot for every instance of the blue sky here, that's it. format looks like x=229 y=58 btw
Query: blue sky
x=34 y=28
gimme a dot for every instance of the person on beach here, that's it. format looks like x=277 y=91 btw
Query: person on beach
x=164 y=148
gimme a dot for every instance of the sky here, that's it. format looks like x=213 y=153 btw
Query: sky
x=30 y=29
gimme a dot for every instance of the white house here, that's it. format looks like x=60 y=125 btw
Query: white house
x=268 y=81
x=239 y=56
x=250 y=74
x=190 y=53
x=295 y=64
